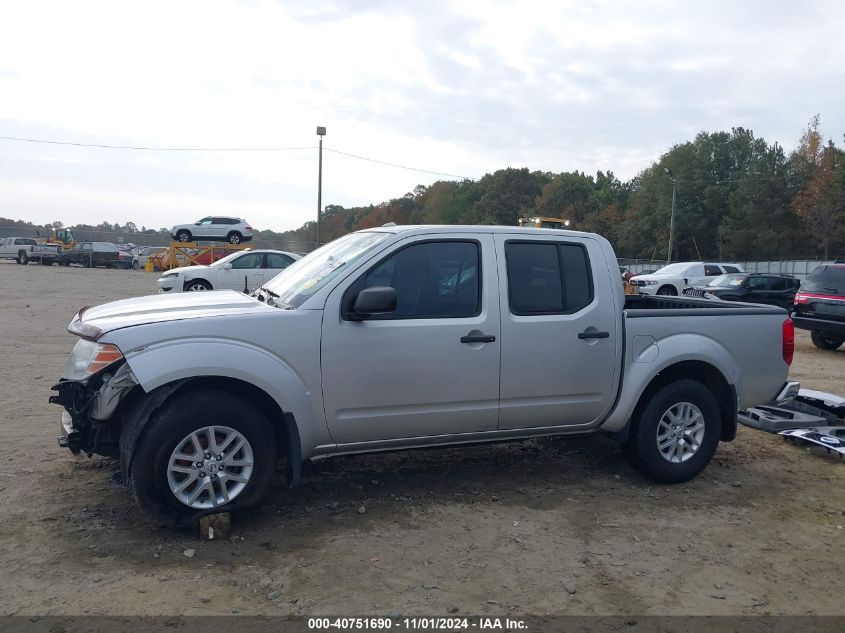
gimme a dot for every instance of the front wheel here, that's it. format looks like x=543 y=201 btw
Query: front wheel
x=23 y=259
x=197 y=285
x=825 y=342
x=183 y=236
x=675 y=433
x=203 y=452
x=667 y=291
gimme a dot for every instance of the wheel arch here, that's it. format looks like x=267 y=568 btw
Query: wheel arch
x=711 y=365
x=136 y=410
x=700 y=371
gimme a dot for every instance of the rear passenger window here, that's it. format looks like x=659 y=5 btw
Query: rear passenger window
x=777 y=283
x=546 y=278
x=711 y=271
x=731 y=269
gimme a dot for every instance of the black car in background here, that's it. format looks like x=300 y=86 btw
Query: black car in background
x=91 y=254
x=820 y=306
x=768 y=288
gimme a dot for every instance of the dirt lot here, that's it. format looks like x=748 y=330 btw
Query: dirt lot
x=536 y=527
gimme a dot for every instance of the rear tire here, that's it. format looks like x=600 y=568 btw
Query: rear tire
x=667 y=291
x=156 y=474
x=664 y=453
x=825 y=342
x=234 y=237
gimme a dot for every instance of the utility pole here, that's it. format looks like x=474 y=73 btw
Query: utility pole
x=321 y=132
x=672 y=216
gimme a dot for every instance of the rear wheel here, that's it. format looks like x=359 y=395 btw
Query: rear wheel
x=234 y=237
x=667 y=291
x=202 y=452
x=183 y=236
x=197 y=285
x=825 y=342
x=675 y=433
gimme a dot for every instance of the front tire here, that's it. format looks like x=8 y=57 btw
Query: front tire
x=825 y=342
x=667 y=291
x=23 y=259
x=196 y=285
x=202 y=452
x=675 y=433
x=183 y=236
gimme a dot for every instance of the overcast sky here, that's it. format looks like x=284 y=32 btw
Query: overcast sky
x=461 y=87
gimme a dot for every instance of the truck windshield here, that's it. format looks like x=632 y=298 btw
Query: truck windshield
x=300 y=280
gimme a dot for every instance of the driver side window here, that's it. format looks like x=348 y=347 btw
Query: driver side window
x=431 y=279
x=253 y=260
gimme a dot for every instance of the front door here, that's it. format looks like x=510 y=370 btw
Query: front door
x=246 y=273
x=431 y=367
x=561 y=347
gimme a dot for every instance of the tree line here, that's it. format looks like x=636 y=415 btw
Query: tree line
x=738 y=197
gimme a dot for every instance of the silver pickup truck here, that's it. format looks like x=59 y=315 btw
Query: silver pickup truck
x=403 y=337
x=25 y=249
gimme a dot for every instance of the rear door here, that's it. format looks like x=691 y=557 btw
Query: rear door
x=275 y=263
x=559 y=331
x=431 y=367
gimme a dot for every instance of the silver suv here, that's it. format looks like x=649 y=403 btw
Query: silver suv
x=213 y=229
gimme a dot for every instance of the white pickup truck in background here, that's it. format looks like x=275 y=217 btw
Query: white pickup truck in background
x=25 y=249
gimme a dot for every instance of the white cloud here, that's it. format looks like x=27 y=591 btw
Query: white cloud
x=462 y=87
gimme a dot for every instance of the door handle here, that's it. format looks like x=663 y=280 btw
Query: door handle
x=478 y=338
x=594 y=334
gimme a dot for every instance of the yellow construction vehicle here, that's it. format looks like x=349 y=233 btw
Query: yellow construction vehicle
x=539 y=222
x=62 y=238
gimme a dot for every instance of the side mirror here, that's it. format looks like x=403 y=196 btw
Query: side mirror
x=227 y=266
x=374 y=301
x=197 y=223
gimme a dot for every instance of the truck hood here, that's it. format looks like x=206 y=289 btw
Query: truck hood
x=160 y=308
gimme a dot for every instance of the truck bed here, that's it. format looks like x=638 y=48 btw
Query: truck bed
x=650 y=305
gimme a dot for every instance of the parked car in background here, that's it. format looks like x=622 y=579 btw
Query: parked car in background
x=243 y=270
x=410 y=337
x=24 y=250
x=820 y=306
x=673 y=278
x=143 y=255
x=92 y=254
x=767 y=288
x=213 y=229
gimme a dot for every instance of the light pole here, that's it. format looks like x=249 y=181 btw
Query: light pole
x=671 y=217
x=321 y=132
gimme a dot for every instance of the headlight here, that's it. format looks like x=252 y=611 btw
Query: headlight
x=169 y=275
x=650 y=282
x=88 y=357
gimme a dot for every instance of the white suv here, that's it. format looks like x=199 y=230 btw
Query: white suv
x=673 y=278
x=213 y=229
x=244 y=271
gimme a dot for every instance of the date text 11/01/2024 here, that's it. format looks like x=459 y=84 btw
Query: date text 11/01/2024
x=418 y=623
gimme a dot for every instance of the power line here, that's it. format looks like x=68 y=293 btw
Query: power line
x=382 y=162
x=157 y=149
x=226 y=149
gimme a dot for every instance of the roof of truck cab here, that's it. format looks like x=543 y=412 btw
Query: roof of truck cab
x=474 y=228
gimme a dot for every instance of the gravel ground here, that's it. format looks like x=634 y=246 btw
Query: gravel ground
x=559 y=526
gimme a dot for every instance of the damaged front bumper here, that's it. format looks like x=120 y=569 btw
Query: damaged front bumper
x=87 y=423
